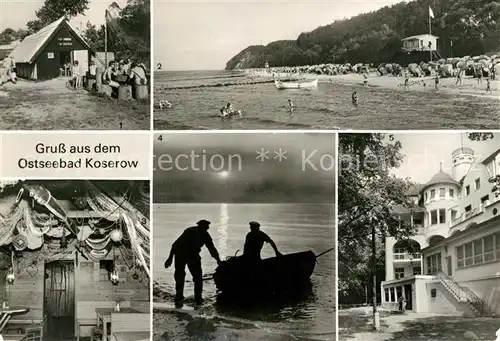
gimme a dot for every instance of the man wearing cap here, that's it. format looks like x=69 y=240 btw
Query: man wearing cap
x=186 y=250
x=255 y=241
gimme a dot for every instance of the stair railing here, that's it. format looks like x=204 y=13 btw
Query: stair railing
x=462 y=292
x=452 y=286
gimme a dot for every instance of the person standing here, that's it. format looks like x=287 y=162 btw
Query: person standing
x=254 y=242
x=186 y=251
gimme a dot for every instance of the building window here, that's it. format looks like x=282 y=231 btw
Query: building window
x=477 y=245
x=434 y=217
x=417 y=222
x=399 y=273
x=468 y=209
x=489 y=248
x=399 y=292
x=442 y=216
x=452 y=193
x=467 y=190
x=393 y=293
x=399 y=253
x=468 y=254
x=485 y=201
x=417 y=271
x=479 y=251
x=497 y=246
x=433 y=193
x=460 y=257
x=387 y=297
x=433 y=293
x=105 y=269
x=434 y=264
x=442 y=192
x=477 y=183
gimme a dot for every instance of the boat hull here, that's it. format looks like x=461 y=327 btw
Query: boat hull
x=296 y=85
x=285 y=273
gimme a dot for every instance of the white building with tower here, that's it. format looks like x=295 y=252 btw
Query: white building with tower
x=452 y=264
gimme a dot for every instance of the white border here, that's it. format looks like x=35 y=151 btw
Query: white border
x=151 y=164
x=336 y=238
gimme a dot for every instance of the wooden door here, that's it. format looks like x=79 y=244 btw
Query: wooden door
x=59 y=298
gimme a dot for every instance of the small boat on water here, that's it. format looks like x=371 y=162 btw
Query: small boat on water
x=287 y=272
x=296 y=85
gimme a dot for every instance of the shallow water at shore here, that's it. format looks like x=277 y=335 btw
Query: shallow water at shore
x=328 y=107
x=294 y=228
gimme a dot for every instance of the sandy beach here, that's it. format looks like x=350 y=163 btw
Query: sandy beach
x=51 y=105
x=469 y=87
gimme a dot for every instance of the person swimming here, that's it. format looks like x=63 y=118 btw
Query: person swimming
x=355 y=98
x=291 y=106
x=228 y=110
x=164 y=104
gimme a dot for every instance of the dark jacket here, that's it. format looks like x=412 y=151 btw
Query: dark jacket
x=191 y=241
x=254 y=242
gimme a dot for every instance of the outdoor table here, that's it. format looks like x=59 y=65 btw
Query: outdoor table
x=6 y=314
x=104 y=317
x=132 y=336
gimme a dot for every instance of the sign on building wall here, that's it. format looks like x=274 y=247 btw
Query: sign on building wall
x=50 y=55
x=67 y=41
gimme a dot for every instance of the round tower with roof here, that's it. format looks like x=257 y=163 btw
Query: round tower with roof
x=462 y=160
x=440 y=197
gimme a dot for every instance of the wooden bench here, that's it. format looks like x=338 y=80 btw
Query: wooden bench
x=28 y=329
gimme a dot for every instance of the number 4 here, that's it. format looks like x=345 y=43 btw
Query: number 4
x=160 y=138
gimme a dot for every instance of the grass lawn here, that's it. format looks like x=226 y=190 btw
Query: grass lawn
x=446 y=328
x=357 y=322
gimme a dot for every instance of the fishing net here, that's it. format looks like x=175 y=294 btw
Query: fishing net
x=136 y=225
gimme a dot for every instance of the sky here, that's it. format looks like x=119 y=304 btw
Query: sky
x=207 y=34
x=426 y=151
x=16 y=13
x=237 y=176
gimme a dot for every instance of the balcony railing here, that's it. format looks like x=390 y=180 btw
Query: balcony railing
x=407 y=256
x=467 y=215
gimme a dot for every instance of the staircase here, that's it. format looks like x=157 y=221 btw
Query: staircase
x=463 y=295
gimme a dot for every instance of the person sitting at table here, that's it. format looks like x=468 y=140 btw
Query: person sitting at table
x=138 y=74
x=109 y=74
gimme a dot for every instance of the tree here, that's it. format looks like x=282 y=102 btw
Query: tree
x=9 y=35
x=128 y=32
x=375 y=37
x=55 y=9
x=367 y=193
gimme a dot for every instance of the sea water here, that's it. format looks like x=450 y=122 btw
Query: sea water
x=327 y=107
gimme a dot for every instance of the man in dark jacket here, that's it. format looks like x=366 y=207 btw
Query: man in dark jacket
x=255 y=241
x=186 y=250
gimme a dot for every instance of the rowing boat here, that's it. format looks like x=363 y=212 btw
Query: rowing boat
x=296 y=85
x=239 y=276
